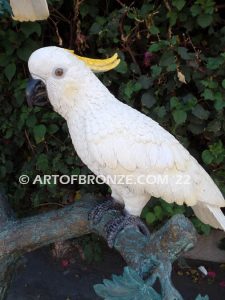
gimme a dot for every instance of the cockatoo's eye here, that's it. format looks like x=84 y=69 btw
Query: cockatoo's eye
x=59 y=72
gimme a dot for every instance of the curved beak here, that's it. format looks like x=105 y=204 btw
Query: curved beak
x=36 y=93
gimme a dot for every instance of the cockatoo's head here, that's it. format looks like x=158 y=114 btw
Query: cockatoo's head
x=65 y=76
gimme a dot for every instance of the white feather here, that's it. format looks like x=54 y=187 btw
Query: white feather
x=211 y=215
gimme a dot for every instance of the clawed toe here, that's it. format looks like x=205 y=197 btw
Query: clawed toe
x=97 y=213
x=118 y=224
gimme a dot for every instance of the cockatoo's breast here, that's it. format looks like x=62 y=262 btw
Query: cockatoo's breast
x=90 y=118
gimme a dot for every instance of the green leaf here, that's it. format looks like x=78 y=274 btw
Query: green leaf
x=30 y=27
x=167 y=208
x=161 y=112
x=208 y=94
x=137 y=86
x=4 y=60
x=150 y=218
x=205 y=228
x=174 y=102
x=42 y=162
x=179 y=4
x=204 y=20
x=39 y=133
x=145 y=81
x=31 y=121
x=156 y=70
x=167 y=59
x=95 y=28
x=212 y=84
x=135 y=68
x=179 y=116
x=219 y=104
x=158 y=212
x=75 y=171
x=155 y=47
x=2 y=171
x=53 y=128
x=172 y=15
x=223 y=83
x=183 y=52
x=122 y=67
x=154 y=30
x=26 y=49
x=214 y=63
x=172 y=67
x=131 y=87
x=10 y=71
x=148 y=99
x=195 y=10
x=207 y=157
x=8 y=133
x=200 y=112
x=196 y=128
x=214 y=126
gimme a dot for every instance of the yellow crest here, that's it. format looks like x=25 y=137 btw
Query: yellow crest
x=99 y=65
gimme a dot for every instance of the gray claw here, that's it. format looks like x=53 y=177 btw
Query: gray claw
x=97 y=213
x=118 y=224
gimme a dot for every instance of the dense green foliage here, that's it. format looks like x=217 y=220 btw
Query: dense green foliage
x=172 y=69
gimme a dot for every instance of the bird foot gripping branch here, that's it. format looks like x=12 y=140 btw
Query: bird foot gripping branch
x=118 y=224
x=148 y=257
x=113 y=227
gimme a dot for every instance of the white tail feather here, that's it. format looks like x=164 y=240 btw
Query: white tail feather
x=209 y=214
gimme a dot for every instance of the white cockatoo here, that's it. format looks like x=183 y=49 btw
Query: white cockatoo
x=29 y=10
x=115 y=140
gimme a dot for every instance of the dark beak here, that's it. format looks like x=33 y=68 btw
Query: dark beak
x=36 y=93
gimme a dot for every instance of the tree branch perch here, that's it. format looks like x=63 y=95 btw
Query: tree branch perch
x=148 y=256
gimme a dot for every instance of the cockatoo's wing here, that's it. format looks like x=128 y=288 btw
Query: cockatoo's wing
x=29 y=10
x=126 y=142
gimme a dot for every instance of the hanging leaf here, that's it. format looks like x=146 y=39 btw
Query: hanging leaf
x=179 y=4
x=204 y=20
x=10 y=71
x=179 y=116
x=39 y=133
x=207 y=157
x=148 y=99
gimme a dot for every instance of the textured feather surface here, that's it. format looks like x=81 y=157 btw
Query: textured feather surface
x=120 y=140
x=29 y=10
